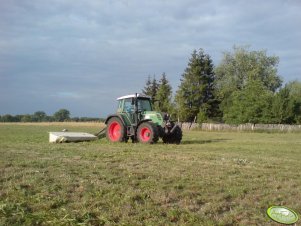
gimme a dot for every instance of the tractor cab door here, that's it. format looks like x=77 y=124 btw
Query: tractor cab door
x=126 y=108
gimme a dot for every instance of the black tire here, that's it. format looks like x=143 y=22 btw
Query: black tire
x=116 y=131
x=147 y=133
x=174 y=138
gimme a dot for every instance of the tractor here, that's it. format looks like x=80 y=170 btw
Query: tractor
x=135 y=119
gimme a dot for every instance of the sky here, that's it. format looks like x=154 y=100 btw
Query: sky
x=82 y=55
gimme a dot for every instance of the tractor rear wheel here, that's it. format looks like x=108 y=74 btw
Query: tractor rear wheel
x=147 y=133
x=115 y=130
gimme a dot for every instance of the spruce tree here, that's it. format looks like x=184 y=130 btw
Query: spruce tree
x=151 y=88
x=196 y=91
x=147 y=88
x=163 y=96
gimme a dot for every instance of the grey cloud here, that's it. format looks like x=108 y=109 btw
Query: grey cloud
x=75 y=53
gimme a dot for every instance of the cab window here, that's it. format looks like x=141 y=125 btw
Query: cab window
x=144 y=105
x=128 y=107
x=119 y=109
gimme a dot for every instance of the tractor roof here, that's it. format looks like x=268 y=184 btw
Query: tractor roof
x=134 y=95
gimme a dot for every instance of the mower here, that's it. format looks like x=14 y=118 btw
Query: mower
x=135 y=119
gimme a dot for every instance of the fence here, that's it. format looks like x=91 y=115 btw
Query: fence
x=242 y=127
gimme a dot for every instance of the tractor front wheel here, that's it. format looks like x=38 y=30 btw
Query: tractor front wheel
x=147 y=133
x=115 y=130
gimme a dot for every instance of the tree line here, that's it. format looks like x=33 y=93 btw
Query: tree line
x=244 y=87
x=61 y=115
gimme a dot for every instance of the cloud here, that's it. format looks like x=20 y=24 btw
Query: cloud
x=75 y=53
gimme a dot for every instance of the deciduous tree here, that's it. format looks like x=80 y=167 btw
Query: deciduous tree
x=62 y=115
x=286 y=107
x=39 y=116
x=251 y=104
x=242 y=66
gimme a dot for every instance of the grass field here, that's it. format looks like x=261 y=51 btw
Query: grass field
x=212 y=178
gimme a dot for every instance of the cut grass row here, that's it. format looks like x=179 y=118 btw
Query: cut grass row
x=212 y=178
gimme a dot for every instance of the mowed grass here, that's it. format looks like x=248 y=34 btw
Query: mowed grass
x=212 y=178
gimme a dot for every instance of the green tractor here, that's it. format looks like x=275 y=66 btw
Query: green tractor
x=136 y=119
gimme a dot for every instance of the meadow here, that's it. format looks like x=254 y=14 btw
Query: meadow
x=212 y=178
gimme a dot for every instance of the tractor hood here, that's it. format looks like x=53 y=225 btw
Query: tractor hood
x=155 y=116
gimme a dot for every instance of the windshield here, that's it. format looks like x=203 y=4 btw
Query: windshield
x=144 y=105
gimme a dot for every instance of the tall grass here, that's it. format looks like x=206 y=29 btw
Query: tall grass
x=212 y=178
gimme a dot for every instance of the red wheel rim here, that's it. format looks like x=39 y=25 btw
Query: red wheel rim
x=114 y=131
x=145 y=134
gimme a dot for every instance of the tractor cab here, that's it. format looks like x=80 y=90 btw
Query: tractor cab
x=126 y=104
x=138 y=107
